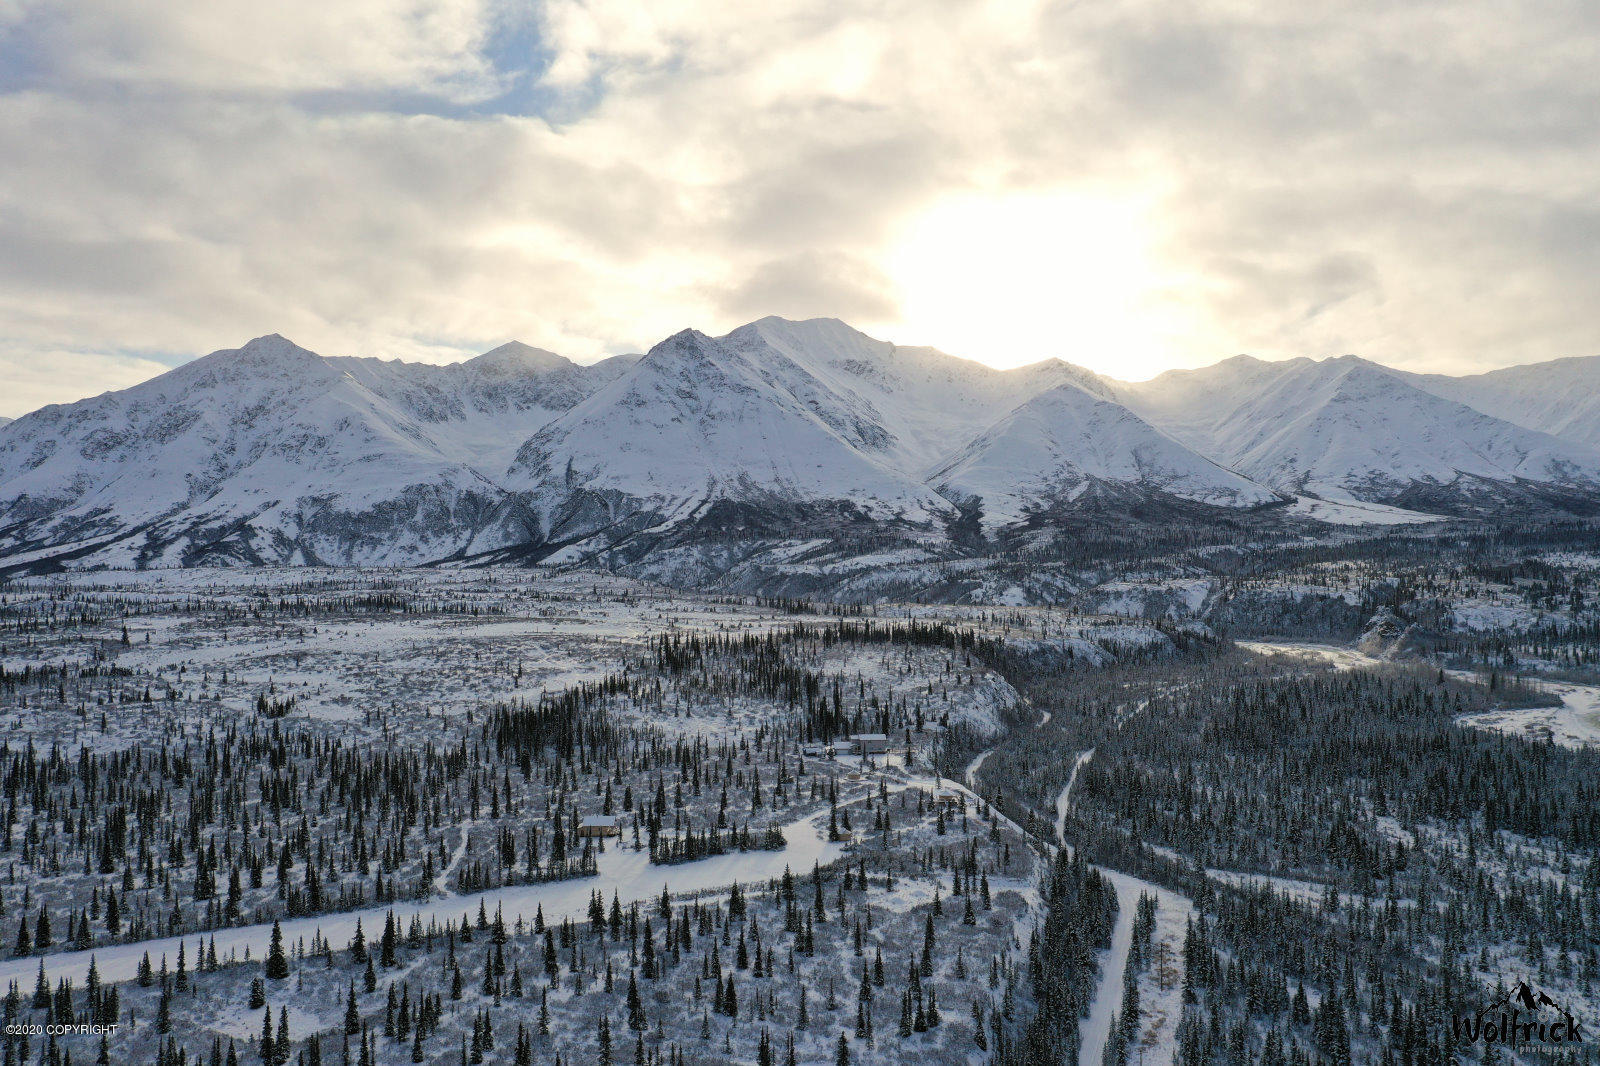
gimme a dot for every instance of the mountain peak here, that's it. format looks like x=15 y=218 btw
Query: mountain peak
x=1066 y=438
x=827 y=337
x=514 y=357
x=1350 y=373
x=1351 y=361
x=687 y=352
x=274 y=346
x=265 y=352
x=800 y=323
x=271 y=344
x=685 y=340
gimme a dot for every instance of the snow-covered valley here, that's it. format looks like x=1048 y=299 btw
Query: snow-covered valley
x=954 y=828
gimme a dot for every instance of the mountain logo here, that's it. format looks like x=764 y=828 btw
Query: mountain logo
x=1524 y=1017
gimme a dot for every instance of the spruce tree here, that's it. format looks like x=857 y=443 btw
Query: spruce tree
x=277 y=964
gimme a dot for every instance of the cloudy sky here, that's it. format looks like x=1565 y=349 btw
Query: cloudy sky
x=1130 y=185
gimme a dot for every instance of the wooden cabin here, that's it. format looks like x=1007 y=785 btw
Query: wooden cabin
x=599 y=825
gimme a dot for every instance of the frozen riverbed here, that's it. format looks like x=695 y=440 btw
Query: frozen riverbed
x=1575 y=722
x=1341 y=657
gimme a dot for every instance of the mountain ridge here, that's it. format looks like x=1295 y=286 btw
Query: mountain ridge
x=273 y=453
x=1349 y=428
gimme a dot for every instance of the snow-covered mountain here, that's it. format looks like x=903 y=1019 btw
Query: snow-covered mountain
x=699 y=420
x=919 y=398
x=1561 y=397
x=272 y=453
x=479 y=412
x=1057 y=444
x=1192 y=404
x=1347 y=428
x=817 y=416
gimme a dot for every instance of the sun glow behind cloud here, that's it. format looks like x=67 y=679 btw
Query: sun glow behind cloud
x=1130 y=186
x=1010 y=279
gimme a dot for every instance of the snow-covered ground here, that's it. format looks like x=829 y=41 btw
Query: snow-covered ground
x=1309 y=892
x=1576 y=723
x=1356 y=513
x=1161 y=993
x=1340 y=657
x=1175 y=598
x=623 y=871
x=1483 y=615
x=1161 y=986
x=1096 y=1029
x=533 y=633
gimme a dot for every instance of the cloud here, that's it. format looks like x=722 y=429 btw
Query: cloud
x=34 y=377
x=1412 y=182
x=812 y=284
x=240 y=46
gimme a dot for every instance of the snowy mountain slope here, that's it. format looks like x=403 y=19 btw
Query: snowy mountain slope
x=1560 y=397
x=697 y=421
x=274 y=453
x=1192 y=404
x=479 y=412
x=1053 y=446
x=1350 y=429
x=919 y=398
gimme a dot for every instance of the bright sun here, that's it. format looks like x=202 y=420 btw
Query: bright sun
x=1015 y=279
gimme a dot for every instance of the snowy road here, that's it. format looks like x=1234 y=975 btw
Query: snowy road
x=971 y=772
x=1161 y=986
x=623 y=870
x=1064 y=801
x=1160 y=996
x=1160 y=992
x=1096 y=1030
